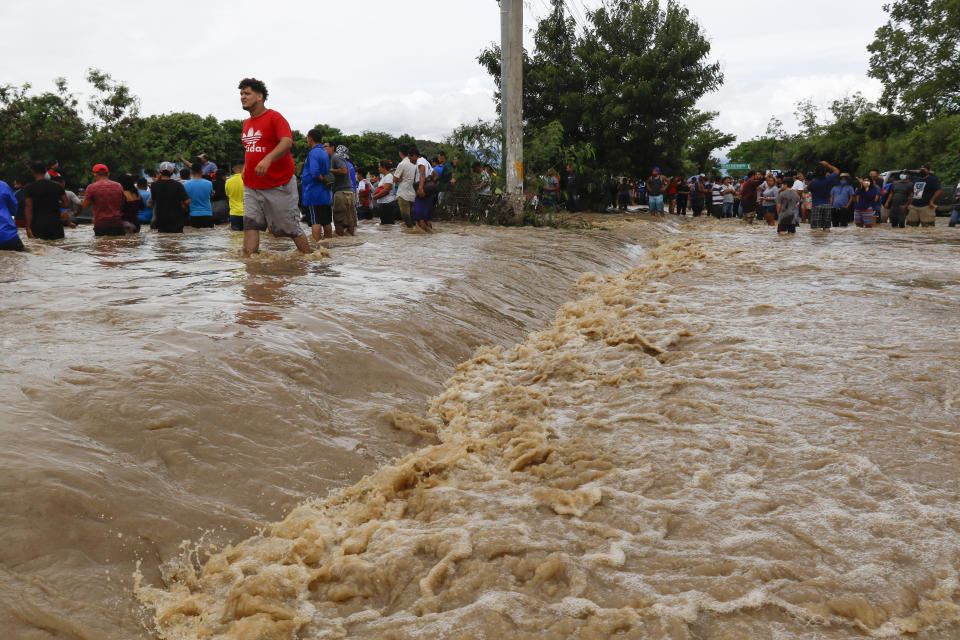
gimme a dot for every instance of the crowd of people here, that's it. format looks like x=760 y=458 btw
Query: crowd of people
x=261 y=192
x=825 y=199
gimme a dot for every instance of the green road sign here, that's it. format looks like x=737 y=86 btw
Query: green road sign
x=734 y=167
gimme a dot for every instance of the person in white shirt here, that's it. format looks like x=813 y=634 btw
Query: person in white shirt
x=798 y=183
x=425 y=172
x=386 y=200
x=424 y=183
x=404 y=176
x=728 y=192
x=486 y=183
x=799 y=186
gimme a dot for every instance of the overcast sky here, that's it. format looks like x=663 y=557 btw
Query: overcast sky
x=405 y=67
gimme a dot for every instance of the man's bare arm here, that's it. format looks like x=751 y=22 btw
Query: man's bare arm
x=282 y=147
x=65 y=214
x=28 y=214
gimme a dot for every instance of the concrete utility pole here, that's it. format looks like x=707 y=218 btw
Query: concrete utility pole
x=504 y=65
x=511 y=87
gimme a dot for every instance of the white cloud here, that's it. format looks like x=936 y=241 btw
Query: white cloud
x=389 y=67
x=420 y=113
x=745 y=109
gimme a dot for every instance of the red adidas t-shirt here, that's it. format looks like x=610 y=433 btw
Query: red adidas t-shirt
x=260 y=136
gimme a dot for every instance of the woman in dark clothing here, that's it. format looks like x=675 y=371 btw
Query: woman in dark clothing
x=219 y=204
x=132 y=203
x=683 y=194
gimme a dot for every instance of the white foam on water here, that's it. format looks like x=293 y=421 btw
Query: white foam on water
x=641 y=468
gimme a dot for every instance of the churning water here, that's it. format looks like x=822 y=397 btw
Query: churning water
x=653 y=430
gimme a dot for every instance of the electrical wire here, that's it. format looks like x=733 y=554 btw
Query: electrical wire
x=580 y=20
x=586 y=11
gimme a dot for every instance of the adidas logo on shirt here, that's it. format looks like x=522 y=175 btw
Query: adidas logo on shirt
x=250 y=140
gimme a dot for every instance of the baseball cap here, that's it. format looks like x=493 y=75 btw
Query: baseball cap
x=925 y=166
x=167 y=168
x=100 y=168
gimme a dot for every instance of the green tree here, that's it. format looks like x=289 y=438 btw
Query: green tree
x=936 y=142
x=808 y=117
x=627 y=84
x=233 y=151
x=702 y=139
x=545 y=149
x=915 y=56
x=45 y=127
x=481 y=140
x=166 y=136
x=115 y=130
x=852 y=134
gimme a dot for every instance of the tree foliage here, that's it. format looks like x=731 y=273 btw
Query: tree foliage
x=915 y=56
x=479 y=141
x=545 y=149
x=40 y=127
x=627 y=84
x=856 y=136
x=115 y=132
x=167 y=135
x=698 y=139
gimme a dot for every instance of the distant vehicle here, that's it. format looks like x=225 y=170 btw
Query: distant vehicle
x=84 y=216
x=894 y=175
x=947 y=201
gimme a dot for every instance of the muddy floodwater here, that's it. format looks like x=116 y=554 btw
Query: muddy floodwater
x=646 y=429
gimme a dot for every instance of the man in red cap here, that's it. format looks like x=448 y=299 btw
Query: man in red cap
x=106 y=198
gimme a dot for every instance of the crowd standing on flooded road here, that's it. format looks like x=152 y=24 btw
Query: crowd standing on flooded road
x=257 y=193
x=825 y=199
x=261 y=192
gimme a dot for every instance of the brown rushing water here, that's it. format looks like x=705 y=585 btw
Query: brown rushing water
x=735 y=435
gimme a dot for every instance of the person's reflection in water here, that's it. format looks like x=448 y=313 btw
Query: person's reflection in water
x=264 y=291
x=107 y=251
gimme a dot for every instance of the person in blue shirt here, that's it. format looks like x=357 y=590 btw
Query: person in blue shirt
x=207 y=168
x=353 y=175
x=146 y=214
x=819 y=188
x=868 y=195
x=841 y=197
x=316 y=194
x=9 y=238
x=199 y=192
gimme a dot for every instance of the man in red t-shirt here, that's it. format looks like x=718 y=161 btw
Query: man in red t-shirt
x=270 y=194
x=106 y=198
x=748 y=196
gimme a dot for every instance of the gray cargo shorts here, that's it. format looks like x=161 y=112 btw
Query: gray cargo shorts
x=277 y=208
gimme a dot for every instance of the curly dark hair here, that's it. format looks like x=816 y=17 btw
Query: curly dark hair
x=256 y=85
